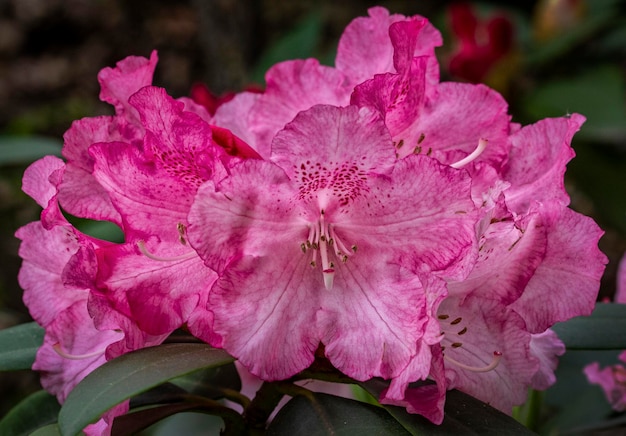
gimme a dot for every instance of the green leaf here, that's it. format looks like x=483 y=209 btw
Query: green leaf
x=26 y=149
x=33 y=412
x=463 y=414
x=602 y=330
x=132 y=423
x=48 y=430
x=132 y=374
x=18 y=346
x=323 y=414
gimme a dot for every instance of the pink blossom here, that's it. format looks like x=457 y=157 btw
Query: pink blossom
x=612 y=379
x=404 y=228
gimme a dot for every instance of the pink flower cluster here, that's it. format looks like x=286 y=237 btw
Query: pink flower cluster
x=612 y=379
x=403 y=227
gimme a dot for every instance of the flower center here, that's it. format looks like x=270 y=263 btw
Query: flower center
x=322 y=239
x=453 y=330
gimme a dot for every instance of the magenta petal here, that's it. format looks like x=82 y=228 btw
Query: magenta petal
x=128 y=76
x=366 y=49
x=566 y=283
x=160 y=295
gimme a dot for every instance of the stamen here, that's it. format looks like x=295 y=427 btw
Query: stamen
x=497 y=357
x=482 y=144
x=57 y=348
x=142 y=247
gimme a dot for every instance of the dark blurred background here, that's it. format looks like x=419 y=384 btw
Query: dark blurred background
x=548 y=58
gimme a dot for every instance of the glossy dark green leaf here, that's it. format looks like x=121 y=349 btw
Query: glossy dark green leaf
x=18 y=346
x=26 y=149
x=132 y=423
x=211 y=382
x=322 y=414
x=464 y=415
x=48 y=430
x=35 y=411
x=602 y=330
x=132 y=374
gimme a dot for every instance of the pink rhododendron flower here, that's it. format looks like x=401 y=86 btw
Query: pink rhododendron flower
x=612 y=379
x=400 y=227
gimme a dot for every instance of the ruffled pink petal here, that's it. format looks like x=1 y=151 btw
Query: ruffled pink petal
x=397 y=97
x=509 y=252
x=536 y=164
x=412 y=212
x=366 y=49
x=486 y=327
x=119 y=83
x=372 y=319
x=567 y=281
x=45 y=253
x=241 y=216
x=612 y=380
x=327 y=143
x=160 y=294
x=36 y=181
x=546 y=347
x=452 y=122
x=294 y=86
x=427 y=400
x=264 y=309
x=73 y=333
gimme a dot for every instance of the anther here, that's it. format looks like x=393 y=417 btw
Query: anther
x=497 y=357
x=482 y=144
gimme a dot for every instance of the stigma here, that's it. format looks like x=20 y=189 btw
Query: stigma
x=326 y=247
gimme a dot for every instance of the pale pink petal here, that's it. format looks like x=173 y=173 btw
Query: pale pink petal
x=546 y=347
x=412 y=212
x=104 y=426
x=294 y=86
x=45 y=253
x=374 y=294
x=36 y=181
x=475 y=329
x=241 y=216
x=266 y=315
x=452 y=122
x=537 y=160
x=331 y=143
x=567 y=281
x=73 y=331
x=509 y=252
